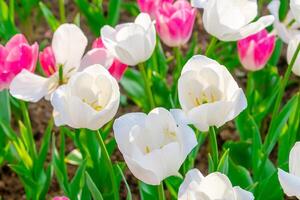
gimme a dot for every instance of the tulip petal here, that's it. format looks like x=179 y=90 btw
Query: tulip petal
x=68 y=45
x=15 y=41
x=30 y=87
x=250 y=29
x=96 y=56
x=193 y=175
x=199 y=3
x=289 y=183
x=242 y=194
x=294 y=160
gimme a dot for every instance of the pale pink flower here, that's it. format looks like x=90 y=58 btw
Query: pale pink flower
x=151 y=6
x=175 y=22
x=16 y=55
x=47 y=61
x=255 y=50
x=116 y=69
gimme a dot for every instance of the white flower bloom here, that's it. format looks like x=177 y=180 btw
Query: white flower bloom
x=290 y=182
x=286 y=29
x=208 y=94
x=131 y=43
x=295 y=8
x=90 y=99
x=214 y=186
x=231 y=20
x=292 y=47
x=68 y=45
x=154 y=146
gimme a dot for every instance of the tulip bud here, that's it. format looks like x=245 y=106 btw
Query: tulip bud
x=47 y=61
x=15 y=56
x=255 y=50
x=208 y=94
x=230 y=20
x=175 y=22
x=131 y=43
x=151 y=6
x=90 y=99
x=214 y=186
x=292 y=47
x=290 y=182
x=154 y=146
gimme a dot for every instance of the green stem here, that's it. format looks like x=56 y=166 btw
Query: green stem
x=61 y=74
x=214 y=146
x=5 y=113
x=11 y=11
x=161 y=192
x=61 y=4
x=211 y=46
x=147 y=85
x=105 y=156
x=249 y=88
x=177 y=71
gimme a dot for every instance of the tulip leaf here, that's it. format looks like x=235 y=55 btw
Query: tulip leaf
x=223 y=163
x=147 y=192
x=264 y=187
x=129 y=195
x=92 y=187
x=114 y=12
x=50 y=18
x=5 y=113
x=239 y=175
x=173 y=183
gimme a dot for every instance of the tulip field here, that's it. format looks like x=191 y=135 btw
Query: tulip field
x=150 y=99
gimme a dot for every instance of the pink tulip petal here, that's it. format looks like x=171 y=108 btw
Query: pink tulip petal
x=117 y=69
x=47 y=61
x=15 y=41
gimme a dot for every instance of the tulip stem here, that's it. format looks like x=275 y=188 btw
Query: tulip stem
x=177 y=71
x=214 y=146
x=60 y=75
x=211 y=46
x=161 y=192
x=107 y=161
x=61 y=4
x=147 y=85
x=270 y=135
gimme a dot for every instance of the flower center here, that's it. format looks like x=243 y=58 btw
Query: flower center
x=93 y=104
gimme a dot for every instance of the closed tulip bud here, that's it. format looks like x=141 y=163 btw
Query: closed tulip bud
x=154 y=146
x=290 y=182
x=151 y=6
x=290 y=53
x=47 y=61
x=208 y=94
x=213 y=186
x=89 y=100
x=230 y=20
x=131 y=43
x=175 y=22
x=255 y=50
x=15 y=56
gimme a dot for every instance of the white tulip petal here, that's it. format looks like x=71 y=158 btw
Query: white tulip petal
x=188 y=139
x=199 y=3
x=295 y=8
x=250 y=29
x=242 y=194
x=96 y=56
x=198 y=62
x=194 y=175
x=68 y=45
x=180 y=116
x=289 y=183
x=30 y=87
x=294 y=160
x=144 y=20
x=292 y=47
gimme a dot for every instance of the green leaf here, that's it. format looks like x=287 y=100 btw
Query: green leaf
x=77 y=182
x=50 y=18
x=223 y=163
x=5 y=106
x=147 y=192
x=239 y=175
x=92 y=187
x=173 y=183
x=114 y=11
x=272 y=184
x=276 y=53
x=129 y=195
x=133 y=84
x=74 y=157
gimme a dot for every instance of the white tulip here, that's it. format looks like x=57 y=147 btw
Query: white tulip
x=131 y=43
x=295 y=8
x=208 y=94
x=154 y=146
x=90 y=99
x=214 y=186
x=68 y=45
x=290 y=182
x=292 y=47
x=230 y=20
x=285 y=29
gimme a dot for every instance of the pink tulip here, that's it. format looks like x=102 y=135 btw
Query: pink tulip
x=151 y=6
x=61 y=198
x=47 y=61
x=175 y=22
x=16 y=55
x=117 y=69
x=255 y=50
